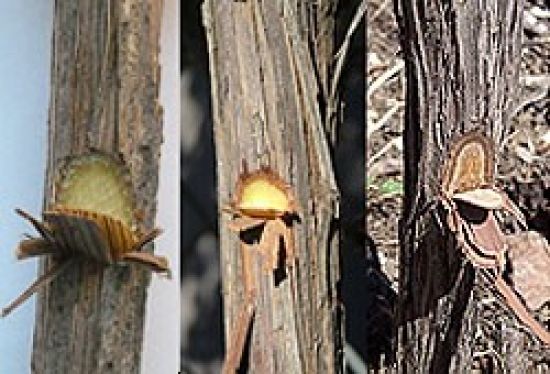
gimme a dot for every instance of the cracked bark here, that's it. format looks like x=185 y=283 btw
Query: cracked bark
x=104 y=95
x=269 y=63
x=462 y=62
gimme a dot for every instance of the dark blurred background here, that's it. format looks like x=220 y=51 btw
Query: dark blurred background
x=201 y=300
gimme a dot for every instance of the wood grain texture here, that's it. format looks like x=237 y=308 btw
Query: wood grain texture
x=462 y=63
x=104 y=95
x=267 y=88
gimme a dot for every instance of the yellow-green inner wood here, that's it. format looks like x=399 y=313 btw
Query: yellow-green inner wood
x=263 y=195
x=97 y=183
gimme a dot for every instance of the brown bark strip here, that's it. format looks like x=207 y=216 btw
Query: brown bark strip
x=238 y=341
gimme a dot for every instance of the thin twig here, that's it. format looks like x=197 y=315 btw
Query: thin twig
x=379 y=11
x=381 y=80
x=385 y=118
x=343 y=51
x=394 y=142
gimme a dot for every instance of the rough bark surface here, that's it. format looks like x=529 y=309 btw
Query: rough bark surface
x=462 y=61
x=104 y=95
x=268 y=88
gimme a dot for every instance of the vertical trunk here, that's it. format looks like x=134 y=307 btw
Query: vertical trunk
x=462 y=60
x=269 y=64
x=105 y=80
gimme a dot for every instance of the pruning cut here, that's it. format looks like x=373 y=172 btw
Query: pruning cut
x=264 y=205
x=263 y=200
x=93 y=218
x=471 y=202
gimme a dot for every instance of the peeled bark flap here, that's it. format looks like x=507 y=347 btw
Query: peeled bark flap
x=104 y=95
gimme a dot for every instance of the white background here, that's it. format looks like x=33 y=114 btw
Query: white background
x=161 y=350
x=25 y=33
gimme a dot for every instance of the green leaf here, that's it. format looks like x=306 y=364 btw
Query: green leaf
x=391 y=187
